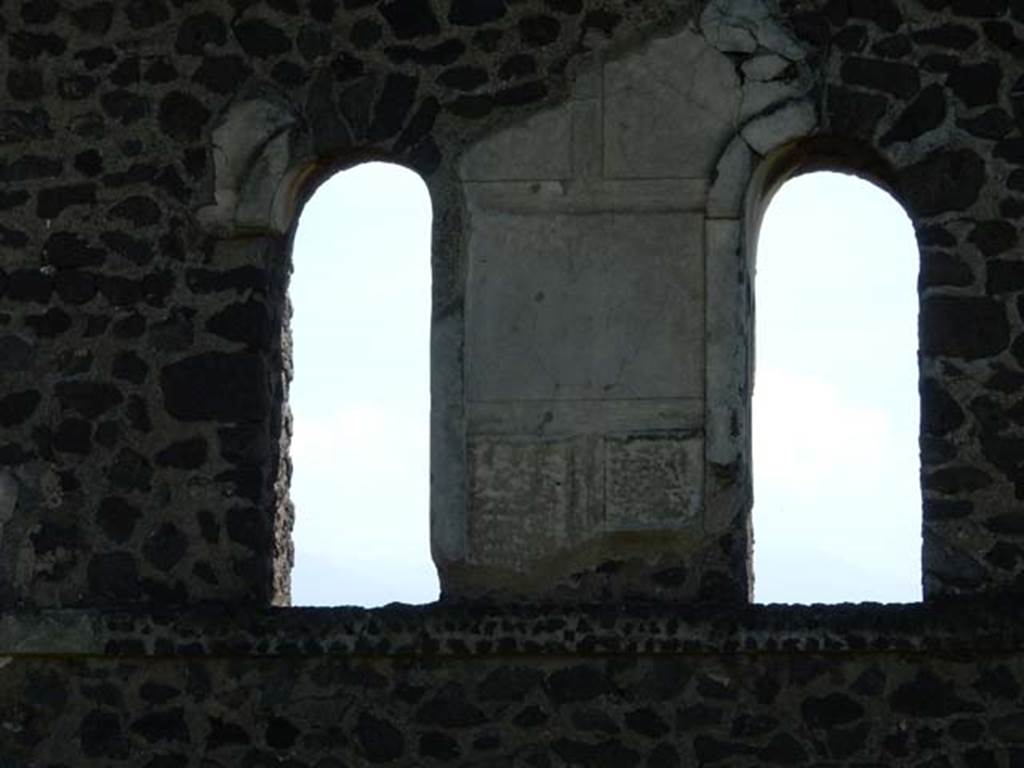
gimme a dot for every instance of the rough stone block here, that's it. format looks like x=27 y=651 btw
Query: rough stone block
x=766 y=67
x=731 y=179
x=216 y=386
x=759 y=98
x=653 y=482
x=528 y=499
x=774 y=129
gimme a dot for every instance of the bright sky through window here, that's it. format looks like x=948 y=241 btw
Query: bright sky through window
x=837 y=502
x=360 y=399
x=837 y=499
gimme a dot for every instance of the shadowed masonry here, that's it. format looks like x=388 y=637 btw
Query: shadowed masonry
x=598 y=171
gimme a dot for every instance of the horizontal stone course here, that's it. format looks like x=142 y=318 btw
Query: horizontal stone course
x=480 y=630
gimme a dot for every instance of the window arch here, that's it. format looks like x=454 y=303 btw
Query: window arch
x=835 y=406
x=360 y=394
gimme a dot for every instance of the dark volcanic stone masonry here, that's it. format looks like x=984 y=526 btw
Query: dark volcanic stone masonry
x=145 y=359
x=520 y=686
x=124 y=308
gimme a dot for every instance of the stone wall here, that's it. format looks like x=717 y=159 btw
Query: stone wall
x=598 y=169
x=519 y=687
x=156 y=159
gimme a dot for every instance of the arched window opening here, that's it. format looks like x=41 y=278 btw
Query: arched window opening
x=837 y=499
x=360 y=396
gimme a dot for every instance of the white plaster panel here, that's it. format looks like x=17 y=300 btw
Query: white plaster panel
x=669 y=109
x=602 y=306
x=537 y=148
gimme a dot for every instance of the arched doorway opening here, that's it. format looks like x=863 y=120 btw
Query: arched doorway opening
x=837 y=499
x=360 y=394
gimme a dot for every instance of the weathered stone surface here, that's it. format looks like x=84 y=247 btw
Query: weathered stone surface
x=940 y=413
x=559 y=307
x=923 y=114
x=508 y=684
x=964 y=327
x=945 y=509
x=18 y=407
x=950 y=35
x=766 y=67
x=165 y=547
x=831 y=711
x=261 y=39
x=977 y=84
x=1004 y=276
x=73 y=436
x=545 y=138
x=15 y=353
x=66 y=249
x=393 y=106
x=248 y=323
x=185 y=454
x=87 y=398
x=472 y=12
x=539 y=30
x=130 y=471
x=49 y=324
x=953 y=480
x=516 y=516
x=653 y=482
x=668 y=109
x=730 y=181
x=741 y=26
x=114 y=575
x=182 y=116
x=993 y=238
x=928 y=695
x=410 y=18
x=990 y=124
x=137 y=211
x=52 y=202
x=199 y=33
x=117 y=518
x=889 y=77
x=216 y=387
x=766 y=132
x=942 y=268
x=1005 y=453
x=947 y=180
x=380 y=740
x=219 y=74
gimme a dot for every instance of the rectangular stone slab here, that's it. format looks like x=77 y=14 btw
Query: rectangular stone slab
x=601 y=306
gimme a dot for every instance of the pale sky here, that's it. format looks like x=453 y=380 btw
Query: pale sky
x=361 y=394
x=835 y=404
x=837 y=501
